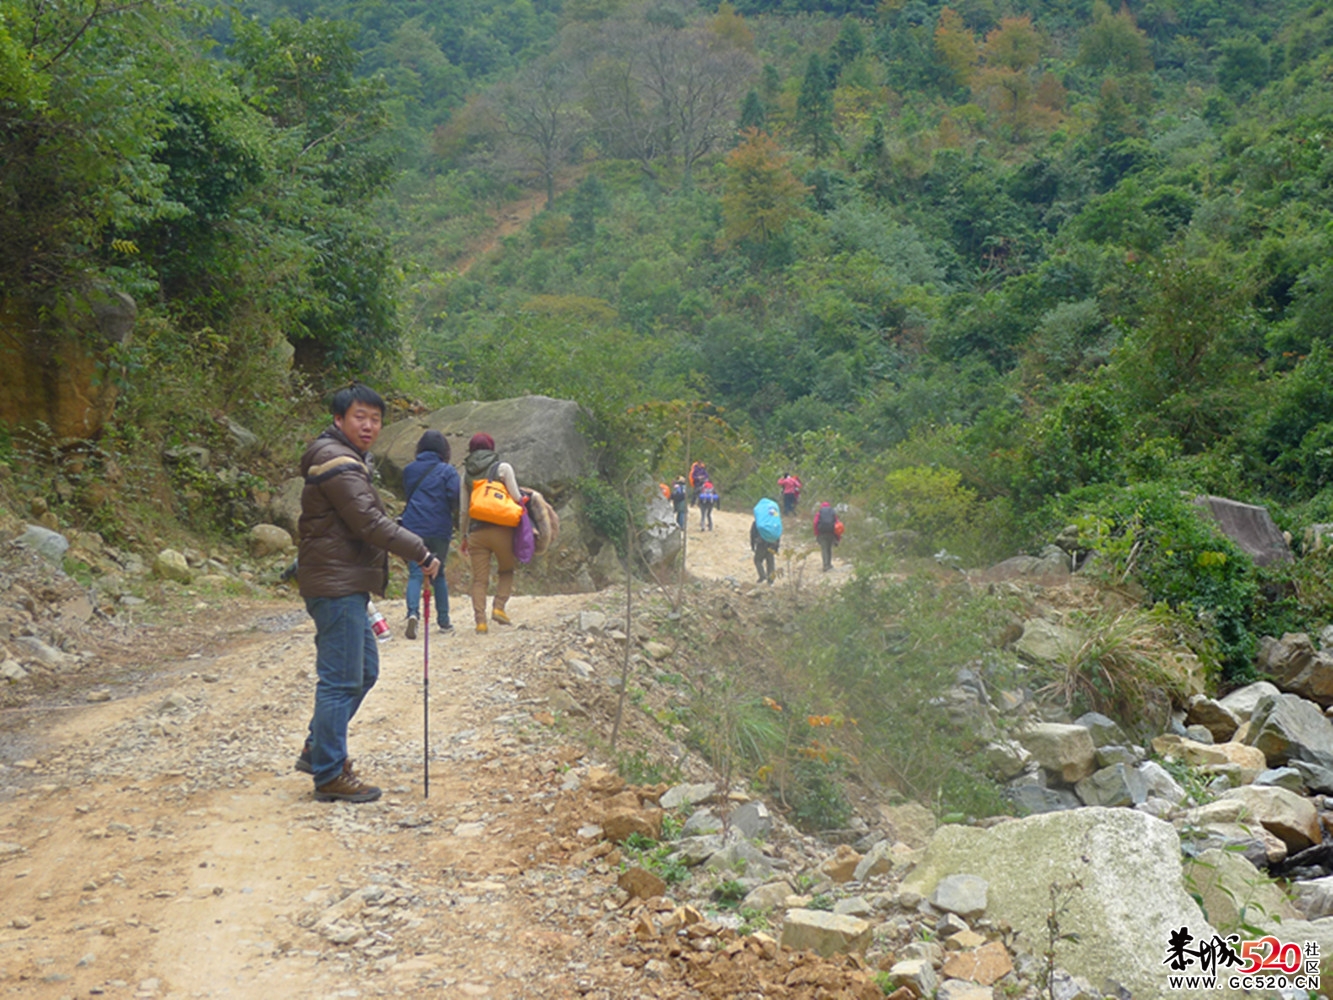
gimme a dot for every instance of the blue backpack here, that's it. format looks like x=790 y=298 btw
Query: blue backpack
x=768 y=519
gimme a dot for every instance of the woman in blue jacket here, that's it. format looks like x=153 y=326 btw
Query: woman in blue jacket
x=432 y=486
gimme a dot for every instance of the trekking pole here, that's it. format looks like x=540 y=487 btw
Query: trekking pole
x=425 y=689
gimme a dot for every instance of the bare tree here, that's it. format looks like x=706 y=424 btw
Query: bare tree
x=658 y=88
x=539 y=111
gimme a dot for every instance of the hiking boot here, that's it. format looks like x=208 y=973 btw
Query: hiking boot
x=303 y=760
x=411 y=630
x=347 y=787
x=482 y=628
x=498 y=615
x=446 y=628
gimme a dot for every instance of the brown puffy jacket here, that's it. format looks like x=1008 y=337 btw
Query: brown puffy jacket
x=344 y=530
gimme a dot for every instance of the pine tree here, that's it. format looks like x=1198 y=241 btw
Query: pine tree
x=814 y=110
x=753 y=113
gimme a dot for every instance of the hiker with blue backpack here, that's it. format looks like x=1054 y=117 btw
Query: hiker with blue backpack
x=432 y=486
x=680 y=500
x=708 y=501
x=765 y=536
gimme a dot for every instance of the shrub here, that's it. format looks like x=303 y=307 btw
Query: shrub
x=932 y=501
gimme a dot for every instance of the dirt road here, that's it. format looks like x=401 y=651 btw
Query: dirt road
x=160 y=845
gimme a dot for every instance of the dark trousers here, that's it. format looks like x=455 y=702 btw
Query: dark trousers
x=765 y=563
x=826 y=542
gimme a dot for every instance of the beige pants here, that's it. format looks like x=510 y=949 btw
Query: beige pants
x=483 y=541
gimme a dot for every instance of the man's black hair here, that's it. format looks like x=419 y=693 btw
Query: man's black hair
x=355 y=393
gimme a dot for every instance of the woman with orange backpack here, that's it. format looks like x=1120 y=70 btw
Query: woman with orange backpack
x=489 y=511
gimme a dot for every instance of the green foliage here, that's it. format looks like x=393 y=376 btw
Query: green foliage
x=605 y=511
x=655 y=857
x=1152 y=532
x=931 y=501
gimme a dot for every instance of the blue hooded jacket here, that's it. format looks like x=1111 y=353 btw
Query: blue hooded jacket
x=432 y=486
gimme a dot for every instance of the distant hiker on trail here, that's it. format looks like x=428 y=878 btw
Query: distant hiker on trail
x=341 y=561
x=680 y=500
x=698 y=476
x=432 y=487
x=828 y=531
x=489 y=512
x=708 y=500
x=765 y=537
x=791 y=492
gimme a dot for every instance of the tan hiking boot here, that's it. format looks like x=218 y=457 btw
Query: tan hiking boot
x=498 y=615
x=347 y=787
x=482 y=628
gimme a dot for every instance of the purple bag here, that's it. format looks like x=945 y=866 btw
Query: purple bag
x=525 y=542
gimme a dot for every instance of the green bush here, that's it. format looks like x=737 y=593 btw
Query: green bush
x=1154 y=534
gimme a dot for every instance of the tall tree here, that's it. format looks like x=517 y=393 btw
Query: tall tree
x=539 y=111
x=761 y=194
x=814 y=110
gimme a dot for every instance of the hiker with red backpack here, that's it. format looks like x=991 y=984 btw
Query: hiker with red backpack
x=791 y=492
x=828 y=531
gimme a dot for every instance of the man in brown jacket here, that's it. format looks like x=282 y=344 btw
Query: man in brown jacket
x=345 y=541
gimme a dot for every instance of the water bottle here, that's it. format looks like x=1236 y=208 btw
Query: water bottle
x=377 y=623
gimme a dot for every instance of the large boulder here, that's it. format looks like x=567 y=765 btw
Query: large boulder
x=825 y=933
x=1296 y=666
x=1250 y=527
x=1290 y=817
x=1219 y=720
x=284 y=507
x=542 y=438
x=1287 y=728
x=1241 y=701
x=1045 y=642
x=1121 y=887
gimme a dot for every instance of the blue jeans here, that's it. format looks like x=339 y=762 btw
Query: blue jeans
x=439 y=586
x=347 y=664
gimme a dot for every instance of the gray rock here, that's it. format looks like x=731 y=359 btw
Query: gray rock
x=1030 y=800
x=1128 y=866
x=701 y=822
x=593 y=622
x=1005 y=759
x=743 y=859
x=1160 y=783
x=1219 y=720
x=1282 y=777
x=50 y=545
x=853 y=906
x=171 y=565
x=1045 y=642
x=269 y=539
x=1234 y=891
x=1067 y=753
x=1297 y=667
x=687 y=795
x=1117 y=785
x=693 y=851
x=961 y=989
x=541 y=437
x=243 y=440
x=1314 y=897
x=1316 y=778
x=767 y=897
x=1326 y=633
x=1286 y=727
x=1241 y=702
x=1106 y=756
x=32 y=648
x=1249 y=526
x=1199 y=734
x=1106 y=732
x=876 y=861
x=752 y=821
x=1250 y=841
x=964 y=895
x=12 y=671
x=284 y=508
x=917 y=974
x=826 y=933
x=1066 y=987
